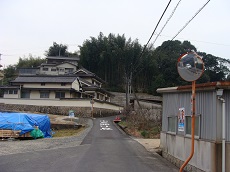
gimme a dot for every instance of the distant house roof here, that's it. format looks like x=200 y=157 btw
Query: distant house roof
x=48 y=64
x=82 y=81
x=63 y=58
x=98 y=89
x=44 y=78
x=56 y=64
x=82 y=72
x=204 y=86
x=9 y=87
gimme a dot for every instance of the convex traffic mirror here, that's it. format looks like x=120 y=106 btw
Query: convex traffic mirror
x=190 y=66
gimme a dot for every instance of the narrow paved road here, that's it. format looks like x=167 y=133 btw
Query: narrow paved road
x=104 y=149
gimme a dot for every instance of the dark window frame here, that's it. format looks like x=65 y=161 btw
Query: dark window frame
x=44 y=94
x=59 y=94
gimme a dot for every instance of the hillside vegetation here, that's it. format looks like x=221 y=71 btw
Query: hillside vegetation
x=124 y=63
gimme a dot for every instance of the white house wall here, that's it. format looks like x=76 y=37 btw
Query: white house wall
x=88 y=79
x=34 y=95
x=10 y=96
x=47 y=85
x=75 y=85
x=67 y=65
x=62 y=66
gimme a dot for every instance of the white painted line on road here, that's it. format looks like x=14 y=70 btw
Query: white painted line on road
x=104 y=125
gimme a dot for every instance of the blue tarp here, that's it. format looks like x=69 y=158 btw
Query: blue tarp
x=25 y=122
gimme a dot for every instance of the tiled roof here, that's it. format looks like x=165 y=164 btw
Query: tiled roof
x=42 y=78
x=82 y=72
x=63 y=58
x=85 y=82
x=56 y=64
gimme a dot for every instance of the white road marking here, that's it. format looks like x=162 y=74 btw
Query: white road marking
x=104 y=125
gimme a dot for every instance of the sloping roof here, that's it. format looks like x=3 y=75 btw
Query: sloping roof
x=82 y=72
x=44 y=78
x=63 y=58
x=85 y=82
x=98 y=89
x=204 y=86
x=66 y=62
x=56 y=64
x=48 y=64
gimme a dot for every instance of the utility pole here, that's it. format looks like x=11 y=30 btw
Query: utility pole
x=127 y=90
x=1 y=73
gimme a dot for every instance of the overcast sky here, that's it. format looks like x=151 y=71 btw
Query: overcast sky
x=31 y=26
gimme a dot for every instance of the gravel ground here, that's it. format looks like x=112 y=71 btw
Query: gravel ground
x=13 y=147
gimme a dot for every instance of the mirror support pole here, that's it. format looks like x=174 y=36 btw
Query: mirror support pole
x=193 y=125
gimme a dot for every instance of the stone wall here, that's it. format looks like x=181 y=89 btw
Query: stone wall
x=59 y=110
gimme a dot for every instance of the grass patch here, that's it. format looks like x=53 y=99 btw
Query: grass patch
x=67 y=132
x=143 y=131
x=123 y=124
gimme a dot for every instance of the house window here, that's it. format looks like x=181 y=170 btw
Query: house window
x=60 y=95
x=63 y=84
x=68 y=70
x=44 y=94
x=188 y=121
x=11 y=92
x=53 y=69
x=172 y=123
x=45 y=69
x=62 y=70
x=98 y=96
x=43 y=84
x=25 y=94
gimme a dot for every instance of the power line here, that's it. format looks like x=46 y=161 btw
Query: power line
x=155 y=28
x=190 y=20
x=166 y=22
x=206 y=42
x=184 y=26
x=152 y=33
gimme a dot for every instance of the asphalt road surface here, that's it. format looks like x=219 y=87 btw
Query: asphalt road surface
x=104 y=149
x=189 y=74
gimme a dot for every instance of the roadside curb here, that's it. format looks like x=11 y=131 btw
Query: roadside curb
x=151 y=145
x=120 y=128
x=156 y=150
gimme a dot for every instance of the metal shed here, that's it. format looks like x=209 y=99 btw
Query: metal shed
x=175 y=140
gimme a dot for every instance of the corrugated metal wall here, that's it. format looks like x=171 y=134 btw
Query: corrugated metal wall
x=227 y=111
x=171 y=104
x=205 y=106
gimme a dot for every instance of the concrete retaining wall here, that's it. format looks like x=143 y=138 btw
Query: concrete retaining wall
x=82 y=108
